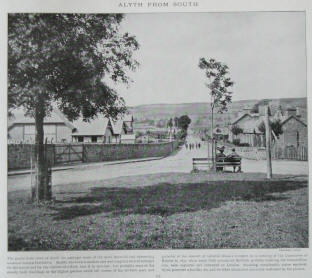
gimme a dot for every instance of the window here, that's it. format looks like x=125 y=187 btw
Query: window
x=94 y=139
x=80 y=139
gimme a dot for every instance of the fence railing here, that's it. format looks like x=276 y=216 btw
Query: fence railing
x=290 y=152
x=278 y=152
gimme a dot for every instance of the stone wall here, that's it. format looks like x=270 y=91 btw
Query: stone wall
x=19 y=155
x=111 y=152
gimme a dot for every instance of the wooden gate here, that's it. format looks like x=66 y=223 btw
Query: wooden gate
x=68 y=153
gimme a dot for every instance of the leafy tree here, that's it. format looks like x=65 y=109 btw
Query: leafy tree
x=176 y=121
x=218 y=84
x=236 y=130
x=261 y=127
x=275 y=125
x=184 y=122
x=66 y=60
x=170 y=123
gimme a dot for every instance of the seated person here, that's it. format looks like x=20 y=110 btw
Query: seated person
x=220 y=157
x=234 y=157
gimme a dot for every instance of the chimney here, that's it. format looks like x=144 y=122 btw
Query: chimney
x=291 y=111
x=298 y=112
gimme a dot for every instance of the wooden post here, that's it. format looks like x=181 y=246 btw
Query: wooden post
x=268 y=143
x=213 y=153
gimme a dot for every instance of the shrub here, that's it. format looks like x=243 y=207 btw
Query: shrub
x=244 y=144
x=236 y=142
x=236 y=130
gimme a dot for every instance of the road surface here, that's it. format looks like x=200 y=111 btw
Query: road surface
x=181 y=161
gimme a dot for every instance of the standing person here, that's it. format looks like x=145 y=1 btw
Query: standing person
x=186 y=145
x=199 y=145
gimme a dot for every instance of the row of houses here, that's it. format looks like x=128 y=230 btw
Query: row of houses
x=58 y=129
x=292 y=120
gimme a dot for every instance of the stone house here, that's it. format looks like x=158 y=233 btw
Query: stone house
x=293 y=125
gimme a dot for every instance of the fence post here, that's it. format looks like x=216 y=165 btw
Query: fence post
x=83 y=153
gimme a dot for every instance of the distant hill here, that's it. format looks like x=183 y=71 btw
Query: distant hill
x=198 y=112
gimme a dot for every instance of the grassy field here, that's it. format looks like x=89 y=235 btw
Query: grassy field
x=168 y=211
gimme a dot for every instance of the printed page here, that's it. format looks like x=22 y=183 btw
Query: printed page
x=155 y=138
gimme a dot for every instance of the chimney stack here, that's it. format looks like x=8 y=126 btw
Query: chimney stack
x=298 y=112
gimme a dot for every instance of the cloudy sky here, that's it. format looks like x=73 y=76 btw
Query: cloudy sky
x=265 y=53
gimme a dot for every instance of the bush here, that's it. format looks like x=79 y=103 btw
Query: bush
x=244 y=145
x=236 y=142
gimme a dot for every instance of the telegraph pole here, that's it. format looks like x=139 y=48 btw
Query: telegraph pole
x=268 y=143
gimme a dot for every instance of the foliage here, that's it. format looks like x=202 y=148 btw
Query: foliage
x=236 y=142
x=219 y=83
x=181 y=134
x=64 y=59
x=261 y=127
x=176 y=121
x=184 y=122
x=170 y=123
x=236 y=130
x=275 y=125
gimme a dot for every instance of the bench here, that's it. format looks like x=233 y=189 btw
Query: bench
x=221 y=163
x=201 y=162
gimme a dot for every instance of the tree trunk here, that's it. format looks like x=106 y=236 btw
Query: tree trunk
x=42 y=190
x=268 y=143
x=212 y=143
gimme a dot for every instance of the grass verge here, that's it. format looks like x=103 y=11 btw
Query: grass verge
x=165 y=211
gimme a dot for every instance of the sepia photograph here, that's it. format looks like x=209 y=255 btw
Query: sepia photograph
x=141 y=131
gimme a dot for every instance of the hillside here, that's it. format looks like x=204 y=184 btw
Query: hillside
x=198 y=112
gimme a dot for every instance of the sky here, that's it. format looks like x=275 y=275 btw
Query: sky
x=265 y=52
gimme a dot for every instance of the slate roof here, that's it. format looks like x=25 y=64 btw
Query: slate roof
x=95 y=127
x=252 y=125
x=56 y=117
x=286 y=119
x=98 y=126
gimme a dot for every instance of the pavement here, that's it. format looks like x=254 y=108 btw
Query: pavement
x=85 y=165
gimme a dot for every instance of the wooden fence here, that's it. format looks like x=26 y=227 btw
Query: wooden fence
x=290 y=152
